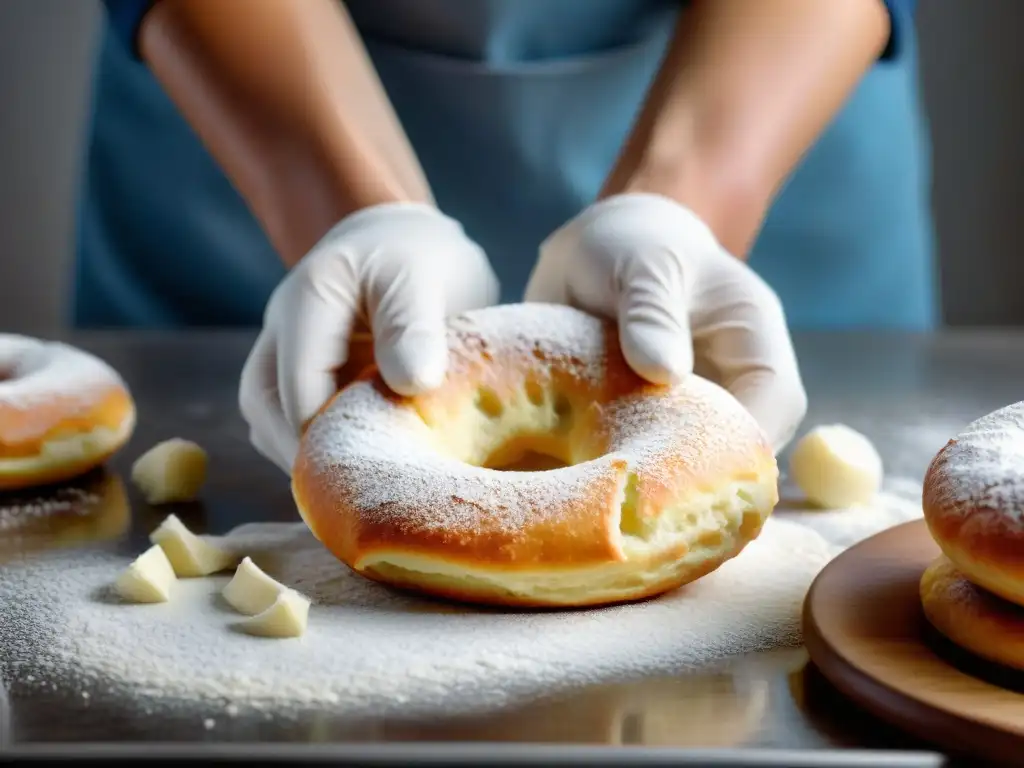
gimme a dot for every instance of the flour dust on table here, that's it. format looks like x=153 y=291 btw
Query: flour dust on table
x=370 y=651
x=898 y=502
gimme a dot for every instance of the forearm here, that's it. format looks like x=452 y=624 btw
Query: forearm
x=286 y=100
x=744 y=91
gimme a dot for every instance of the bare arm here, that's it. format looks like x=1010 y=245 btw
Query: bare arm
x=286 y=100
x=744 y=91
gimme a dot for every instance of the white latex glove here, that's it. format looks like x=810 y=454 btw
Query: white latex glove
x=682 y=303
x=404 y=267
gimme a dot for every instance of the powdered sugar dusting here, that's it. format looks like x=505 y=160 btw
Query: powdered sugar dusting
x=381 y=455
x=983 y=468
x=36 y=372
x=372 y=651
x=545 y=333
x=382 y=458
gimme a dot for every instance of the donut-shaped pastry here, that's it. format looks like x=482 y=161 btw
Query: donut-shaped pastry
x=656 y=486
x=970 y=617
x=63 y=412
x=973 y=501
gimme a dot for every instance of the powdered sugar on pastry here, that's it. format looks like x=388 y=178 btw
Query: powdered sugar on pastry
x=389 y=455
x=983 y=468
x=974 y=501
x=63 y=411
x=36 y=373
x=663 y=484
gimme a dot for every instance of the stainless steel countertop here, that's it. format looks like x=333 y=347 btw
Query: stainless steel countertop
x=909 y=393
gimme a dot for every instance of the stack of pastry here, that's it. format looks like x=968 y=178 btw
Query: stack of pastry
x=973 y=593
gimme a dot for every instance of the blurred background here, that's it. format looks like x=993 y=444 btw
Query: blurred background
x=973 y=77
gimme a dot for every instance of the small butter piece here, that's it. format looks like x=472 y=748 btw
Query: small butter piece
x=171 y=471
x=286 y=617
x=149 y=578
x=836 y=467
x=188 y=554
x=250 y=590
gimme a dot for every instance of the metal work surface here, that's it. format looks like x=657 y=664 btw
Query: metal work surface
x=908 y=393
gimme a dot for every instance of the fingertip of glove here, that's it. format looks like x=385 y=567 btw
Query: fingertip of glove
x=659 y=373
x=409 y=383
x=778 y=404
x=658 y=356
x=280 y=452
x=414 y=362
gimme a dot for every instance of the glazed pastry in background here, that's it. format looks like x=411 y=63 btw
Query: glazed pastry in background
x=973 y=501
x=63 y=412
x=975 y=620
x=662 y=484
x=973 y=496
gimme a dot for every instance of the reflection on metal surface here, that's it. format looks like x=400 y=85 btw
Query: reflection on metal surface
x=714 y=710
x=93 y=508
x=5 y=717
x=844 y=723
x=722 y=709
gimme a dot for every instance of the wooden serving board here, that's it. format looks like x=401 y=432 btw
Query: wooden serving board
x=866 y=632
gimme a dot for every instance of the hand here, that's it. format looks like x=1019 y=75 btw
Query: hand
x=683 y=304
x=406 y=266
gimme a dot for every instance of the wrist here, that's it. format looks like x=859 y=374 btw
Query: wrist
x=724 y=192
x=399 y=217
x=314 y=188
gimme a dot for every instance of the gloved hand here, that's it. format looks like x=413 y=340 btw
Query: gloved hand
x=683 y=304
x=405 y=267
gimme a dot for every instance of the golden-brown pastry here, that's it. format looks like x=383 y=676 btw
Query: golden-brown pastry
x=973 y=619
x=661 y=484
x=63 y=412
x=974 y=501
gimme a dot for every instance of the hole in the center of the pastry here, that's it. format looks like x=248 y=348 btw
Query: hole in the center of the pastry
x=528 y=453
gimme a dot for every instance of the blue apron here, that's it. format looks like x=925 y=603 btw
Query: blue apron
x=517 y=110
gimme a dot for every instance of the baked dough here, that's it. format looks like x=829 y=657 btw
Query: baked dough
x=171 y=471
x=189 y=554
x=836 y=467
x=970 y=617
x=973 y=500
x=286 y=617
x=250 y=590
x=148 y=579
x=663 y=484
x=63 y=412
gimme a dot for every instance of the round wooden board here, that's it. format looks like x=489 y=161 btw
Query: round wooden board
x=865 y=630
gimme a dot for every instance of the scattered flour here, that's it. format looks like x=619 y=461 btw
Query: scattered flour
x=370 y=651
x=898 y=502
